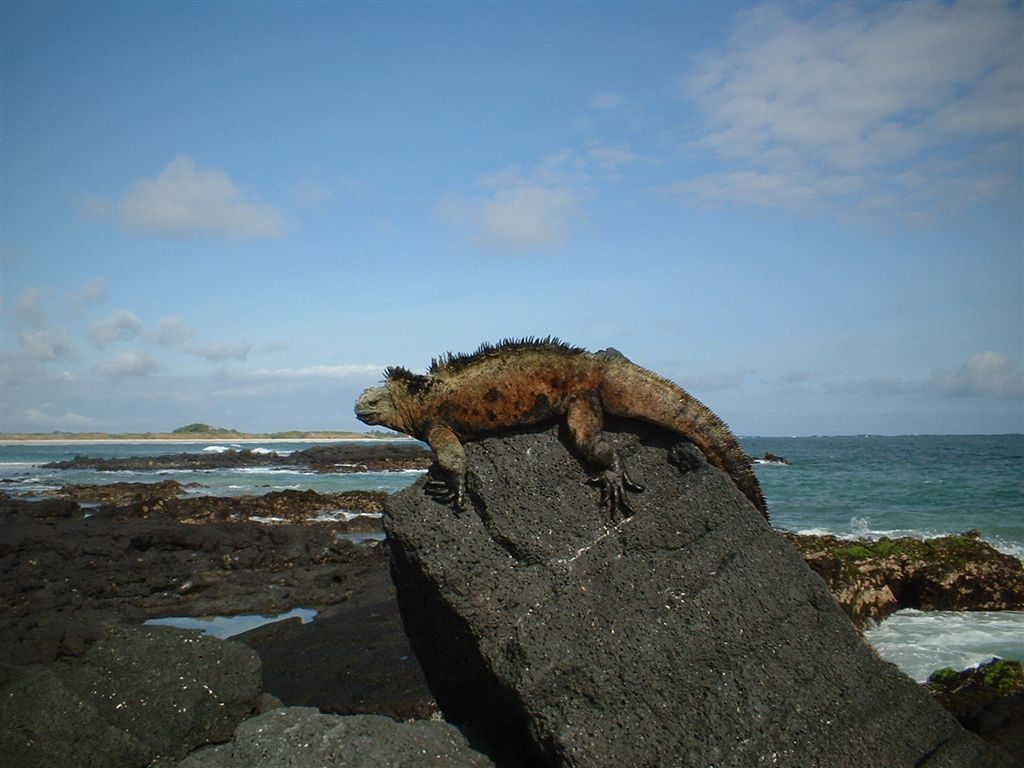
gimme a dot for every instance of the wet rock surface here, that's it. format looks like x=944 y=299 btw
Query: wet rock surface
x=690 y=632
x=873 y=579
x=65 y=577
x=354 y=658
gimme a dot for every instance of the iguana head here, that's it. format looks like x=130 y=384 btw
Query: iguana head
x=393 y=404
x=376 y=408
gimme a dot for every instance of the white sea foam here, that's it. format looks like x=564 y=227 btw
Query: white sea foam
x=269 y=451
x=269 y=471
x=1007 y=548
x=342 y=515
x=920 y=642
x=266 y=520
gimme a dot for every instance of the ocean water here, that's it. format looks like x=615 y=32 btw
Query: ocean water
x=922 y=485
x=21 y=471
x=870 y=486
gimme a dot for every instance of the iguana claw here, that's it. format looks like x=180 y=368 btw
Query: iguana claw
x=445 y=491
x=613 y=491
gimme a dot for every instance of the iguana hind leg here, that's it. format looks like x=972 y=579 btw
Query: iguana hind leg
x=585 y=419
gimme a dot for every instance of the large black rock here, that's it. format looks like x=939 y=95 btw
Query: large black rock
x=302 y=737
x=688 y=634
x=137 y=695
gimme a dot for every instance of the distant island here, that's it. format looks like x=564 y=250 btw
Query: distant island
x=198 y=431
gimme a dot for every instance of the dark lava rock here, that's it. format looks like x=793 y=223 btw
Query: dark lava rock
x=122 y=493
x=358 y=456
x=353 y=659
x=276 y=506
x=300 y=737
x=63 y=581
x=872 y=579
x=43 y=509
x=689 y=634
x=988 y=699
x=137 y=695
x=205 y=460
x=354 y=456
x=122 y=501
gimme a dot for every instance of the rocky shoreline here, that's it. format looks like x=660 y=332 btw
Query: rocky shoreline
x=77 y=582
x=360 y=456
x=872 y=579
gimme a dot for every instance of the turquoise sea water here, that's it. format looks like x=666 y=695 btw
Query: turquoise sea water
x=871 y=486
x=924 y=485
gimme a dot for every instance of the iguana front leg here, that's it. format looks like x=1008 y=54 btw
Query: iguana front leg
x=450 y=459
x=585 y=419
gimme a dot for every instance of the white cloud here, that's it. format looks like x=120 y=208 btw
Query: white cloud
x=128 y=364
x=527 y=215
x=802 y=94
x=186 y=200
x=178 y=333
x=39 y=340
x=537 y=208
x=45 y=345
x=50 y=416
x=751 y=187
x=121 y=326
x=217 y=352
x=322 y=371
x=28 y=308
x=986 y=374
x=92 y=292
x=173 y=331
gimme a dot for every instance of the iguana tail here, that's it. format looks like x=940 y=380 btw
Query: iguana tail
x=630 y=391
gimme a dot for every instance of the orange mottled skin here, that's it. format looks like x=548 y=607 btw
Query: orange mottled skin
x=519 y=383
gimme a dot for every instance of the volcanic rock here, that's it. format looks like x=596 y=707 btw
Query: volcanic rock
x=64 y=580
x=137 y=695
x=988 y=699
x=353 y=659
x=689 y=633
x=275 y=507
x=12 y=507
x=302 y=737
x=122 y=493
x=872 y=579
x=358 y=456
x=353 y=456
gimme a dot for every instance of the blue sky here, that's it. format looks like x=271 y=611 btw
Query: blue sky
x=808 y=215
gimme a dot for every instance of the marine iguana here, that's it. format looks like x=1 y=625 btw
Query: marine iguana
x=522 y=382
